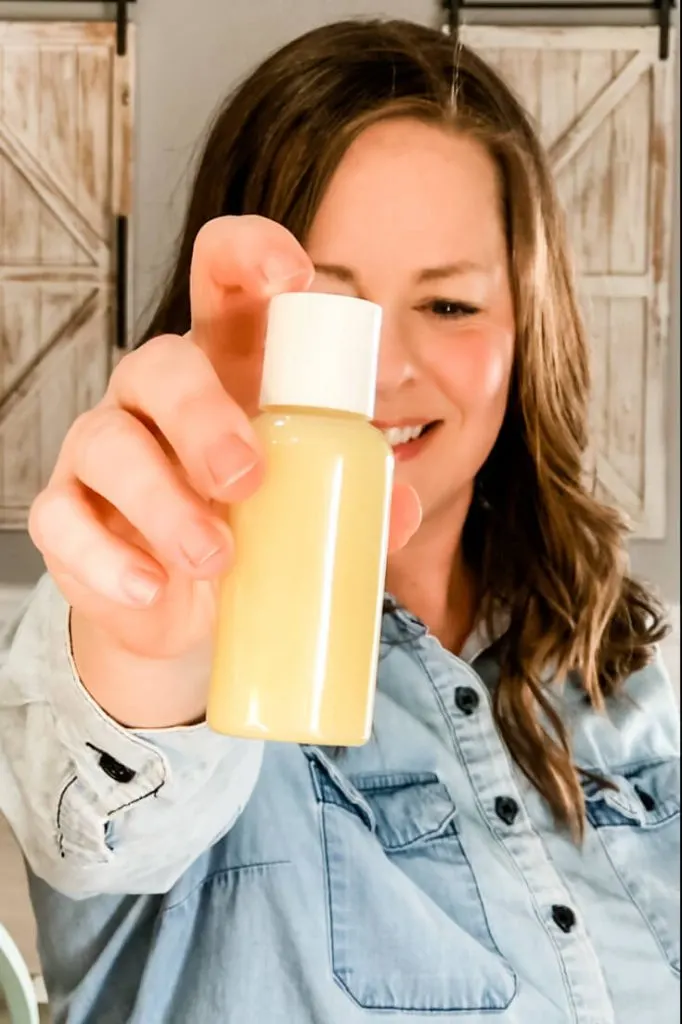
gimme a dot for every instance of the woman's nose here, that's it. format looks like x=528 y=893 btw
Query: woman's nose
x=396 y=361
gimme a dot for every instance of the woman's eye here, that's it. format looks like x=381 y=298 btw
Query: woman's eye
x=450 y=310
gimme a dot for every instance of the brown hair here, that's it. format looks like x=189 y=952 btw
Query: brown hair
x=562 y=576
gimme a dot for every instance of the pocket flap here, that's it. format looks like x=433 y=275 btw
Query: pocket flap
x=647 y=795
x=402 y=808
x=408 y=807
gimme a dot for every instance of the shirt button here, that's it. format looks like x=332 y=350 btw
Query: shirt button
x=115 y=770
x=466 y=699
x=563 y=917
x=507 y=809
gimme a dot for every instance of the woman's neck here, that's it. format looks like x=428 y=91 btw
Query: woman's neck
x=431 y=578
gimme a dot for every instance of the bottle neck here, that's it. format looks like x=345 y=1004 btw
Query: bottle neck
x=311 y=410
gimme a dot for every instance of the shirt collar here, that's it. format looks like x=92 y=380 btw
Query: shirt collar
x=409 y=625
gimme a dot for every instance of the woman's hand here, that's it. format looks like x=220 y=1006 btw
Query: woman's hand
x=130 y=523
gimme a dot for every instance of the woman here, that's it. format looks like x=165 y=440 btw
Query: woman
x=505 y=845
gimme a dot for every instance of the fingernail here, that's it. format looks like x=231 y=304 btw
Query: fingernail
x=229 y=460
x=280 y=272
x=141 y=587
x=200 y=543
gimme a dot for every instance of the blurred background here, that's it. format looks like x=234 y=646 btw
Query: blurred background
x=99 y=126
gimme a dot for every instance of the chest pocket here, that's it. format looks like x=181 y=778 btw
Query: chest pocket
x=407 y=926
x=639 y=827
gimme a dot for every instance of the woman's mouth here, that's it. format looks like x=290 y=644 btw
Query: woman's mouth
x=408 y=440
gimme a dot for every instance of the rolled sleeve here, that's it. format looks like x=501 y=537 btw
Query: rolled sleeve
x=96 y=807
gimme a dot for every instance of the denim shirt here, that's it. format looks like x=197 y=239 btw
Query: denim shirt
x=181 y=877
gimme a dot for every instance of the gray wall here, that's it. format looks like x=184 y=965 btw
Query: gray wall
x=189 y=54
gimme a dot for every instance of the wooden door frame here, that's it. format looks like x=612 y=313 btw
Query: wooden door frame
x=103 y=261
x=655 y=285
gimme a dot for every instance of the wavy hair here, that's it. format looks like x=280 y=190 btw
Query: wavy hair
x=544 y=548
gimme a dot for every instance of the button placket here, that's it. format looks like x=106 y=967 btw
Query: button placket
x=494 y=781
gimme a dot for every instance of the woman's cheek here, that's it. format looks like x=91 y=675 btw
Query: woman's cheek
x=474 y=366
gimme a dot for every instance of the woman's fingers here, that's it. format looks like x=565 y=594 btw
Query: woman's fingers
x=116 y=457
x=63 y=527
x=239 y=262
x=170 y=385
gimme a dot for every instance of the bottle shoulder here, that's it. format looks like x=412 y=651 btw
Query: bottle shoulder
x=323 y=427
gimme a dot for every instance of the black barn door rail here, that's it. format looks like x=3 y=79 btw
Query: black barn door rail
x=660 y=9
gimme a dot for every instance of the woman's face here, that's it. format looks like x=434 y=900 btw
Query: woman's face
x=412 y=221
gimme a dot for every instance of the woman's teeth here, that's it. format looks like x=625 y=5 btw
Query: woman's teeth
x=401 y=435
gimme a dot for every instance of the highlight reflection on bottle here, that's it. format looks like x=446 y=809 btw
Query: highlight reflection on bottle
x=297 y=636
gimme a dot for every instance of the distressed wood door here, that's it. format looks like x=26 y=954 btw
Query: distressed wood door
x=65 y=102
x=603 y=104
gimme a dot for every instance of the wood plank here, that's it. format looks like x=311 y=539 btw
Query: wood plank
x=35 y=416
x=592 y=171
x=617 y=285
x=522 y=72
x=51 y=193
x=596 y=312
x=83 y=311
x=46 y=273
x=94 y=113
x=558 y=110
x=588 y=222
x=56 y=386
x=21 y=216
x=21 y=208
x=57 y=148
x=661 y=192
x=582 y=38
x=565 y=148
x=92 y=358
x=592 y=200
x=625 y=397
x=20 y=338
x=615 y=490
x=56 y=33
x=20 y=453
x=631 y=127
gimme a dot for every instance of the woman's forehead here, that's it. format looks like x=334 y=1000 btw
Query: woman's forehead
x=402 y=182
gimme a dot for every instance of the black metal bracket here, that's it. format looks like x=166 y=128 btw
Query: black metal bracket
x=452 y=10
x=121 y=27
x=664 y=10
x=121 y=304
x=121 y=242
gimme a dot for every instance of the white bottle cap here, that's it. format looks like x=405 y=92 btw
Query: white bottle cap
x=321 y=351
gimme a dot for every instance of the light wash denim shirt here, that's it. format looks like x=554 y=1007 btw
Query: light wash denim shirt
x=181 y=877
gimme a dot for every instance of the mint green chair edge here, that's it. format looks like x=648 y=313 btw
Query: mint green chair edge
x=15 y=983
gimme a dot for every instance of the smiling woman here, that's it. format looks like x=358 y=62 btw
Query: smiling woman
x=432 y=197
x=507 y=841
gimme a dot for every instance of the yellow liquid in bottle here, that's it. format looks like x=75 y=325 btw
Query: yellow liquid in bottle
x=297 y=637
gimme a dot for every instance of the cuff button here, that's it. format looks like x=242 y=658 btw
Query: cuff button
x=115 y=770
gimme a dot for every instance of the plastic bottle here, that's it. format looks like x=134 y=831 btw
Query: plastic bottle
x=297 y=634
